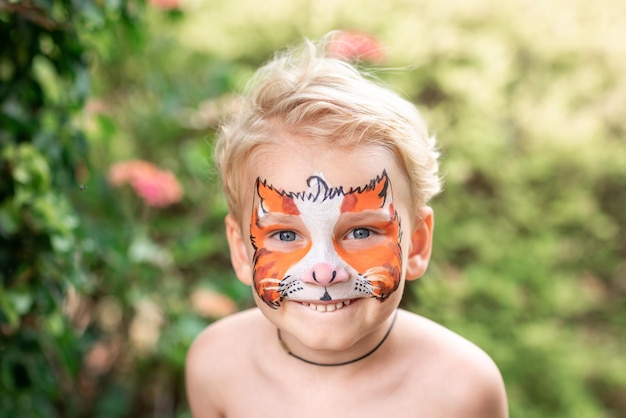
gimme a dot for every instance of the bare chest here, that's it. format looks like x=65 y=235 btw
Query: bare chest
x=308 y=404
x=374 y=396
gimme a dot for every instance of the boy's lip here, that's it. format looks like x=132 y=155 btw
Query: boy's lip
x=327 y=306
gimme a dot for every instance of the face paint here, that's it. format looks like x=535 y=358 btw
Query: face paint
x=325 y=243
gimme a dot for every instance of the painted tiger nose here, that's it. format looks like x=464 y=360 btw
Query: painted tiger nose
x=324 y=274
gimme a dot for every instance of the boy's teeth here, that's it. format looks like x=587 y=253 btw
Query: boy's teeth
x=327 y=308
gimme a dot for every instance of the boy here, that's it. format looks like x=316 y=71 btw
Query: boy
x=327 y=177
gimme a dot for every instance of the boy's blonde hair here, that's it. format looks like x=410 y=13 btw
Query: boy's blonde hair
x=320 y=98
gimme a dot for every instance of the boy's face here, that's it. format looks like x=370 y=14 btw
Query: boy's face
x=329 y=233
x=325 y=245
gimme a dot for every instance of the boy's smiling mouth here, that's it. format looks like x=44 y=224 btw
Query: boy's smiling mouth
x=327 y=307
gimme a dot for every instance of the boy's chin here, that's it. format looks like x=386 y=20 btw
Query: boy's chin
x=349 y=331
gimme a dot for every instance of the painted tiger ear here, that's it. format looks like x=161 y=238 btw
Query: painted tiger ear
x=375 y=196
x=382 y=188
x=271 y=200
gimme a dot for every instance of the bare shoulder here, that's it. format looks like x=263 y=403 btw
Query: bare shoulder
x=226 y=335
x=465 y=377
x=216 y=359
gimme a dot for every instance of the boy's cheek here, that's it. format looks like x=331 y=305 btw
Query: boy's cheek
x=384 y=249
x=388 y=256
x=269 y=269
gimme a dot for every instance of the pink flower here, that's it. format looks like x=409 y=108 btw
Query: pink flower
x=95 y=107
x=156 y=187
x=165 y=4
x=125 y=171
x=211 y=304
x=355 y=46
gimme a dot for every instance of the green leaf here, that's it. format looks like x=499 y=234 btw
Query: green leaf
x=8 y=312
x=144 y=250
x=9 y=219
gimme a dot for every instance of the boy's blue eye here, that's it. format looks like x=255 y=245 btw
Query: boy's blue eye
x=360 y=233
x=287 y=236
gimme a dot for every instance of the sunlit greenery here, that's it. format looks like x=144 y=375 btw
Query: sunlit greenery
x=101 y=294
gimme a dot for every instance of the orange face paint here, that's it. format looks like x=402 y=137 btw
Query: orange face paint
x=353 y=237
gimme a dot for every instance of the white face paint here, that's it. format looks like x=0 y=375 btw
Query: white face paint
x=325 y=244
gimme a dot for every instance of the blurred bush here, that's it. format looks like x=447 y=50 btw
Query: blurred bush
x=113 y=256
x=44 y=79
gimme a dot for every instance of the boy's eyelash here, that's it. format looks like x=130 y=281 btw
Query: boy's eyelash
x=370 y=231
x=277 y=235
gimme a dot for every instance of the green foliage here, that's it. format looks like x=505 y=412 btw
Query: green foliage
x=528 y=256
x=101 y=294
x=44 y=75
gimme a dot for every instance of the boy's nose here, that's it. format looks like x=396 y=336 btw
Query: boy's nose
x=324 y=274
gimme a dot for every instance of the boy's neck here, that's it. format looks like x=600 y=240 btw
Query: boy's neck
x=343 y=363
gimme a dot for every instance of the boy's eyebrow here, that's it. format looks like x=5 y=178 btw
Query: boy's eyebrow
x=277 y=218
x=366 y=216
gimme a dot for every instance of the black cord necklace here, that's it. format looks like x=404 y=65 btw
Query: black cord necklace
x=288 y=351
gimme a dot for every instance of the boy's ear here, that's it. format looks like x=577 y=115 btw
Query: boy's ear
x=421 y=245
x=238 y=251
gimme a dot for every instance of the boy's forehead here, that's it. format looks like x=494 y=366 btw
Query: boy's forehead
x=288 y=165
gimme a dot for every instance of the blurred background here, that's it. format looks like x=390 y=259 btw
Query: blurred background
x=112 y=248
